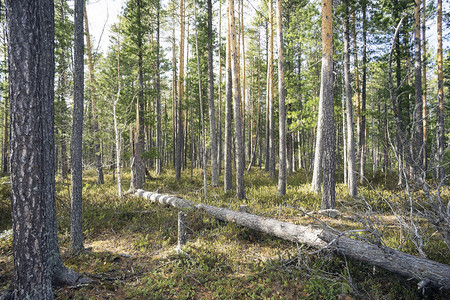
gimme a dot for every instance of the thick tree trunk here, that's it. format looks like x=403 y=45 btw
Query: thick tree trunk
x=424 y=270
x=348 y=97
x=77 y=132
x=29 y=83
x=281 y=104
x=240 y=188
x=326 y=98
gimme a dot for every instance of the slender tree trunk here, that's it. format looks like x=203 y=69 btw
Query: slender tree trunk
x=5 y=136
x=440 y=118
x=174 y=97
x=180 y=134
x=219 y=144
x=158 y=92
x=357 y=94
x=418 y=153
x=281 y=103
x=240 y=189
x=205 y=183
x=271 y=104
x=77 y=132
x=424 y=87
x=363 y=140
x=348 y=97
x=116 y=129
x=92 y=83
x=228 y=176
x=212 y=111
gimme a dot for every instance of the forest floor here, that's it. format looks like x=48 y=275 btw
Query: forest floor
x=130 y=243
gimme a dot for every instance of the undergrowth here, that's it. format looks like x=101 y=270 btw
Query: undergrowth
x=131 y=243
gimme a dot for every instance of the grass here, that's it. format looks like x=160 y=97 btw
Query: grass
x=132 y=243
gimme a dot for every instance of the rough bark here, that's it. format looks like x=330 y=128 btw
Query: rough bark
x=212 y=111
x=240 y=188
x=281 y=104
x=5 y=136
x=77 y=131
x=350 y=153
x=424 y=270
x=26 y=31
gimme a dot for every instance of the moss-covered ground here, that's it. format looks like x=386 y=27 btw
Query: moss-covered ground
x=131 y=243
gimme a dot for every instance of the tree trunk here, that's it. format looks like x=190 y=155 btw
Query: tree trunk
x=281 y=104
x=418 y=153
x=158 y=91
x=228 y=175
x=212 y=112
x=348 y=97
x=180 y=135
x=440 y=136
x=219 y=142
x=363 y=97
x=5 y=136
x=357 y=94
x=424 y=270
x=240 y=189
x=424 y=88
x=205 y=182
x=92 y=83
x=270 y=94
x=77 y=132
x=30 y=26
x=326 y=99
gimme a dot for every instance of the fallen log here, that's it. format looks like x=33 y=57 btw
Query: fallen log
x=424 y=270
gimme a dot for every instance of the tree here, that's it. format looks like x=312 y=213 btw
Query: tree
x=228 y=181
x=363 y=134
x=180 y=136
x=348 y=97
x=281 y=104
x=418 y=153
x=440 y=118
x=93 y=95
x=158 y=89
x=325 y=156
x=240 y=189
x=271 y=141
x=212 y=112
x=77 y=131
x=30 y=30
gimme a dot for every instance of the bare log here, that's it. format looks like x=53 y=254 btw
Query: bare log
x=424 y=270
